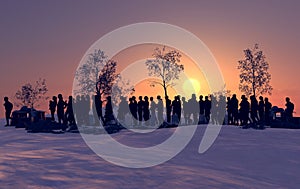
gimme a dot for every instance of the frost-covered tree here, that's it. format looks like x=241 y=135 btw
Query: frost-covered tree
x=166 y=66
x=254 y=73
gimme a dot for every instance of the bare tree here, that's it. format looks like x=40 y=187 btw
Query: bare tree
x=122 y=87
x=87 y=74
x=165 y=66
x=254 y=75
x=107 y=78
x=30 y=95
x=97 y=75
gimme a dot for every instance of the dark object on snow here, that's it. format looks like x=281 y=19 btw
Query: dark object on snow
x=167 y=125
x=26 y=116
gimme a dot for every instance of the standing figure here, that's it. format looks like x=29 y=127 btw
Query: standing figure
x=86 y=108
x=229 y=111
x=254 y=109
x=146 y=112
x=221 y=109
x=140 y=107
x=61 y=105
x=235 y=109
x=261 y=110
x=97 y=110
x=194 y=107
x=186 y=114
x=202 y=119
x=213 y=110
x=52 y=107
x=153 y=119
x=8 y=108
x=133 y=107
x=123 y=110
x=244 y=110
x=168 y=109
x=207 y=109
x=268 y=107
x=69 y=112
x=179 y=107
x=176 y=114
x=289 y=109
x=160 y=110
x=108 y=115
x=78 y=110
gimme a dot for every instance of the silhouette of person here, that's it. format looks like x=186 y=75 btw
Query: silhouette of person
x=268 y=107
x=140 y=107
x=194 y=108
x=146 y=112
x=86 y=103
x=201 y=105
x=108 y=116
x=213 y=110
x=186 y=113
x=61 y=105
x=254 y=109
x=160 y=110
x=261 y=110
x=207 y=109
x=221 y=108
x=69 y=112
x=123 y=110
x=78 y=110
x=244 y=110
x=289 y=109
x=52 y=107
x=153 y=119
x=176 y=114
x=8 y=106
x=235 y=109
x=179 y=107
x=168 y=109
x=133 y=107
x=98 y=106
x=229 y=111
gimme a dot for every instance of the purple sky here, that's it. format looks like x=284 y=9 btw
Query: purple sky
x=48 y=38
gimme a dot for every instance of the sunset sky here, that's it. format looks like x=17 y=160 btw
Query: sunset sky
x=47 y=39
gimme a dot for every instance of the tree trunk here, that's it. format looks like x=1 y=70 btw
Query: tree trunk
x=253 y=79
x=100 y=100
x=165 y=89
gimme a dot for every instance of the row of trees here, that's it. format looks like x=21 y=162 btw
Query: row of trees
x=98 y=75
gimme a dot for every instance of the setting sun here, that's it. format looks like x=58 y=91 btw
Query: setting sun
x=191 y=86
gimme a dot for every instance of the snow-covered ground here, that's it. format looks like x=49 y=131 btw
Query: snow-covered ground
x=238 y=159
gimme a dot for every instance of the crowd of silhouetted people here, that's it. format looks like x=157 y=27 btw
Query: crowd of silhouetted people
x=146 y=111
x=207 y=109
